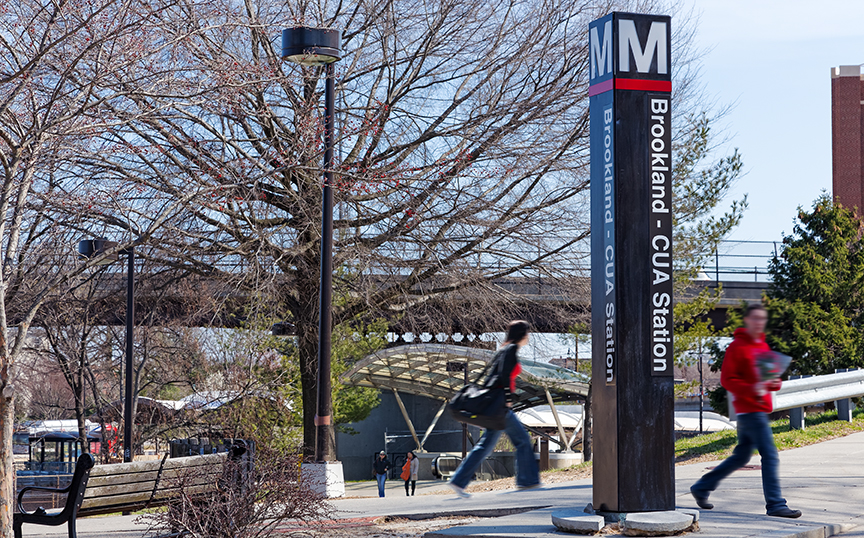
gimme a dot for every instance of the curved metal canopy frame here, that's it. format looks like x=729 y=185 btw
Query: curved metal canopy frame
x=436 y=371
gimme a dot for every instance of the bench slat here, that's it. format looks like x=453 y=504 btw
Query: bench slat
x=119 y=500
x=137 y=499
x=117 y=479
x=116 y=469
x=125 y=468
x=177 y=474
x=191 y=461
x=149 y=477
x=147 y=487
x=122 y=489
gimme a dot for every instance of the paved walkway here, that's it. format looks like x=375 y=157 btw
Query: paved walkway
x=825 y=481
x=393 y=488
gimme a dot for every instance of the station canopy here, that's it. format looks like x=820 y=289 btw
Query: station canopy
x=438 y=371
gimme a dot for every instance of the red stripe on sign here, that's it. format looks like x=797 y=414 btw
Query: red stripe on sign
x=644 y=85
x=599 y=88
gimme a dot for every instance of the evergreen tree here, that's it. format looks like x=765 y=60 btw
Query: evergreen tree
x=816 y=299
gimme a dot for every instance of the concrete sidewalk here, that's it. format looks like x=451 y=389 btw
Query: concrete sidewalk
x=393 y=488
x=825 y=481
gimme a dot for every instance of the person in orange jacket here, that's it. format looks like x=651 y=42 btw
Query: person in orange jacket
x=409 y=472
x=752 y=400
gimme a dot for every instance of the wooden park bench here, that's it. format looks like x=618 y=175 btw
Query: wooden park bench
x=127 y=487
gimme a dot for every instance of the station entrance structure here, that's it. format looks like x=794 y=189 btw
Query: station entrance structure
x=439 y=370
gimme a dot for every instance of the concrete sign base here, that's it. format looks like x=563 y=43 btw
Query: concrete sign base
x=659 y=523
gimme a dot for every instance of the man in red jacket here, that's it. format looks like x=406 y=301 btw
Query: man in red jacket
x=752 y=401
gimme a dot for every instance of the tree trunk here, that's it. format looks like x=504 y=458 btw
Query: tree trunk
x=307 y=347
x=82 y=432
x=80 y=397
x=7 y=466
x=103 y=426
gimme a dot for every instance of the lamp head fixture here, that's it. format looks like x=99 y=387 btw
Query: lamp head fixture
x=311 y=46
x=90 y=248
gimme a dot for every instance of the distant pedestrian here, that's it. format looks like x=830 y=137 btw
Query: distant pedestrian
x=380 y=467
x=409 y=472
x=504 y=372
x=752 y=401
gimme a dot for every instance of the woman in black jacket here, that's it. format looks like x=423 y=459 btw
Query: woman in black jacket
x=503 y=375
x=380 y=466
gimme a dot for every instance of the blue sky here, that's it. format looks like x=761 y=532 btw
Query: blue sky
x=771 y=59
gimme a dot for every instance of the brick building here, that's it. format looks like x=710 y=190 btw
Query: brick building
x=847 y=135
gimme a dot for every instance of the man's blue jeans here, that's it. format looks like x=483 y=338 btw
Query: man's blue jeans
x=527 y=470
x=381 y=479
x=754 y=432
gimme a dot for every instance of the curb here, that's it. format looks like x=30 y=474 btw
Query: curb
x=824 y=531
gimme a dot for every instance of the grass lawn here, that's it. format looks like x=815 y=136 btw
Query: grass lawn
x=719 y=445
x=821 y=427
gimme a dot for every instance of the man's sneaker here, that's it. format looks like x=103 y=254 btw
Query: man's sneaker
x=459 y=491
x=701 y=499
x=785 y=512
x=532 y=486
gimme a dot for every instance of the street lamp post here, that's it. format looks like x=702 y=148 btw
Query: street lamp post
x=89 y=248
x=320 y=47
x=701 y=387
x=315 y=47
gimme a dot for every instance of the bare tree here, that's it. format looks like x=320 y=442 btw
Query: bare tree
x=463 y=156
x=43 y=395
x=56 y=61
x=68 y=325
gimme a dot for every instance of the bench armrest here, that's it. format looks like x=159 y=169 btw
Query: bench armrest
x=38 y=488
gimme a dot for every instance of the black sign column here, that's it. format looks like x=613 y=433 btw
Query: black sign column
x=631 y=263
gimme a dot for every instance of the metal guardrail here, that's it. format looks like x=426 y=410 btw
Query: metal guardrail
x=797 y=393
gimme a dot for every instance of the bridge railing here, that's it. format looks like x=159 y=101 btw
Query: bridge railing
x=733 y=261
x=741 y=261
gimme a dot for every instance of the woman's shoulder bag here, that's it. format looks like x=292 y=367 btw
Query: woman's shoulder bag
x=483 y=406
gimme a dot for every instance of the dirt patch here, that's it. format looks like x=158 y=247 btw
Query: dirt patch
x=551 y=477
x=390 y=527
x=697 y=459
x=397 y=527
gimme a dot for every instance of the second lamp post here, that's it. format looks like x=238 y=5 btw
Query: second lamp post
x=89 y=248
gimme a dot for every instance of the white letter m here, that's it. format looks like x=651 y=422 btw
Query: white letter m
x=601 y=55
x=628 y=40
